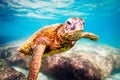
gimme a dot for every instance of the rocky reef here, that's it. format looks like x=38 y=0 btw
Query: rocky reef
x=85 y=61
x=82 y=63
x=8 y=73
x=70 y=68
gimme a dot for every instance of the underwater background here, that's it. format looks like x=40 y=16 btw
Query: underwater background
x=19 y=19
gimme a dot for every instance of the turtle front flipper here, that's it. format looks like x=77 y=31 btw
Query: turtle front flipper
x=89 y=35
x=35 y=63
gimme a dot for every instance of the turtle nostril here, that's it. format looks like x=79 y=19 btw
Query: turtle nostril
x=72 y=28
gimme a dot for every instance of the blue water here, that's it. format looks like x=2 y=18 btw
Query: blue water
x=21 y=18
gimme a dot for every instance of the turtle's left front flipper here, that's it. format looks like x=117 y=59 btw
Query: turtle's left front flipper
x=35 y=63
x=89 y=35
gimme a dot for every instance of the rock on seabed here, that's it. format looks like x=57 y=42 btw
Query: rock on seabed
x=8 y=73
x=74 y=68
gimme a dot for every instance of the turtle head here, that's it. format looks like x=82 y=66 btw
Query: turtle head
x=74 y=24
x=73 y=28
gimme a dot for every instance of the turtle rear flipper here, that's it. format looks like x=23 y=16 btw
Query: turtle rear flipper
x=89 y=35
x=35 y=63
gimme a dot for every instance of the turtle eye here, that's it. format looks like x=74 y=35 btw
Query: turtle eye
x=68 y=23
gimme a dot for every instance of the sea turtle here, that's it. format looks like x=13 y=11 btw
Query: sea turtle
x=53 y=39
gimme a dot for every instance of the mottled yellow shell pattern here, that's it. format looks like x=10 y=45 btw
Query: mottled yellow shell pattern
x=48 y=32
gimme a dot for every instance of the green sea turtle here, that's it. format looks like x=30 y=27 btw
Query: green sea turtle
x=53 y=39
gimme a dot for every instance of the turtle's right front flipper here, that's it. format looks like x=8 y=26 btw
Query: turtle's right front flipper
x=89 y=35
x=35 y=63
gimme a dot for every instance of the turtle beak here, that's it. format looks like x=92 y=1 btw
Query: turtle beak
x=77 y=26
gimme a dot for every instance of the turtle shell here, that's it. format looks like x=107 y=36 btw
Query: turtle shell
x=48 y=33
